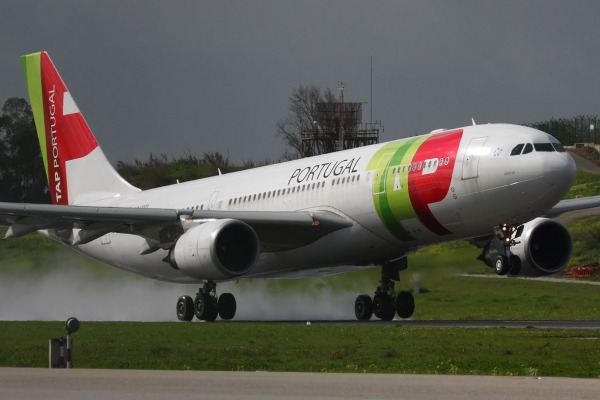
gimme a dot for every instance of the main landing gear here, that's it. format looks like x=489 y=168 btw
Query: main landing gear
x=206 y=306
x=385 y=304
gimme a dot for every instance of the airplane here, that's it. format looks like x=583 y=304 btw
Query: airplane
x=495 y=185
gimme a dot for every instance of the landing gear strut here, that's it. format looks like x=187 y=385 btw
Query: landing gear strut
x=506 y=262
x=385 y=304
x=206 y=306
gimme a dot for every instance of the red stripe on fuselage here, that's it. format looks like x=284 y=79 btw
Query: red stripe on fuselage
x=426 y=189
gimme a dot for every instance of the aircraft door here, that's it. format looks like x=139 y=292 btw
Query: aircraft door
x=212 y=203
x=379 y=175
x=471 y=160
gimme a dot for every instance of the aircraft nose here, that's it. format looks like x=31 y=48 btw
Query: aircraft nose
x=559 y=171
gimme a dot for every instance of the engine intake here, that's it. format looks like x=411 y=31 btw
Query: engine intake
x=543 y=248
x=216 y=250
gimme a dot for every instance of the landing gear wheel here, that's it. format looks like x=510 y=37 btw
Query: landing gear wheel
x=226 y=306
x=383 y=306
x=185 y=308
x=515 y=265
x=363 y=307
x=502 y=265
x=405 y=305
x=205 y=307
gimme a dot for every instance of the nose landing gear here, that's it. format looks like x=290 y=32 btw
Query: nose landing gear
x=506 y=262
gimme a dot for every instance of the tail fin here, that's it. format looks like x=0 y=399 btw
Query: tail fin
x=77 y=169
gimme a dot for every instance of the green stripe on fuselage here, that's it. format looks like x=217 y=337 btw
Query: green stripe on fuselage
x=394 y=206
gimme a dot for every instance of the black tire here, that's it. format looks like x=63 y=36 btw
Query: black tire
x=205 y=307
x=378 y=304
x=515 y=265
x=227 y=306
x=185 y=308
x=405 y=305
x=384 y=307
x=501 y=265
x=363 y=307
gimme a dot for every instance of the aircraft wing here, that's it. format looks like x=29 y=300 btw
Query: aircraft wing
x=582 y=203
x=276 y=230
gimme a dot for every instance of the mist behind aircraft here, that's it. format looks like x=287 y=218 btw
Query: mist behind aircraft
x=58 y=289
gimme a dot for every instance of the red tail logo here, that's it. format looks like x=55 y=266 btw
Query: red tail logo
x=68 y=136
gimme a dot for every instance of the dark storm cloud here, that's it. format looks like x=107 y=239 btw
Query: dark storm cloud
x=172 y=77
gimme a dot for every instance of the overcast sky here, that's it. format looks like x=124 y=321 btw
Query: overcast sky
x=199 y=76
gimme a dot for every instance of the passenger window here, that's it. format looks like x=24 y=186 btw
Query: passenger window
x=528 y=148
x=517 y=149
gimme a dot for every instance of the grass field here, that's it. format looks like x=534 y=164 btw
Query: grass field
x=317 y=348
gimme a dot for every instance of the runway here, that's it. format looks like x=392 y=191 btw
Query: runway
x=556 y=324
x=46 y=384
x=592 y=325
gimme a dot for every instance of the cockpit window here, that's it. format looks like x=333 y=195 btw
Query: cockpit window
x=543 y=147
x=528 y=148
x=559 y=147
x=517 y=149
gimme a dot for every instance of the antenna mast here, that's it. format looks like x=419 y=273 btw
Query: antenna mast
x=342 y=115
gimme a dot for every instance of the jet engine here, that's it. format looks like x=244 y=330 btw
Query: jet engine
x=216 y=250
x=542 y=247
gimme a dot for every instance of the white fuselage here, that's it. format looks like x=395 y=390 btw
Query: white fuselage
x=399 y=195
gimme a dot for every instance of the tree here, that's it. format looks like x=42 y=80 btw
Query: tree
x=22 y=174
x=302 y=117
x=160 y=170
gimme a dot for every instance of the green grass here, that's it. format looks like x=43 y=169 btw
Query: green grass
x=586 y=184
x=585 y=234
x=316 y=348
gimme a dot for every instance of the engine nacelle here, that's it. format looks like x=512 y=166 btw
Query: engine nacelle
x=216 y=250
x=543 y=248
